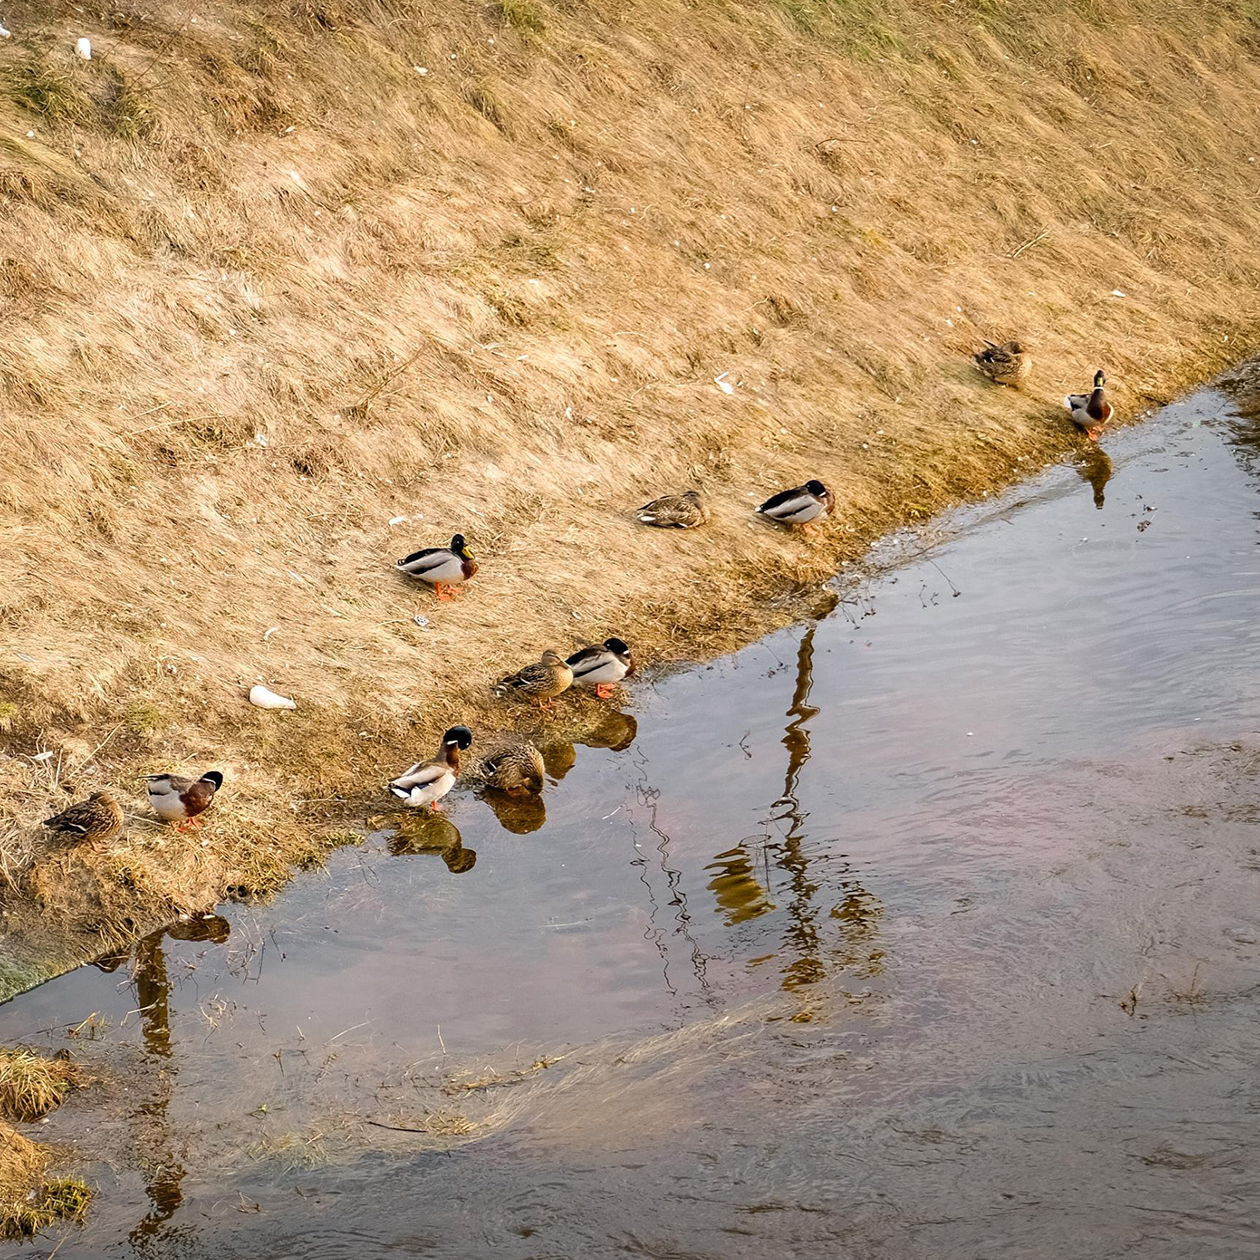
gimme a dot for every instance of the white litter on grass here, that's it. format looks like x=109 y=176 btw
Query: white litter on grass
x=723 y=384
x=84 y=48
x=1118 y=293
x=397 y=520
x=421 y=69
x=44 y=756
x=264 y=698
x=268 y=633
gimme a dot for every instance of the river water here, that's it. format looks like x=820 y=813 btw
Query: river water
x=928 y=929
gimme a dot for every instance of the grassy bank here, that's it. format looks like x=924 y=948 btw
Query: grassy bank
x=290 y=291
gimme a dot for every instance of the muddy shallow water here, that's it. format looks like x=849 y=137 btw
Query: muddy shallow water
x=930 y=929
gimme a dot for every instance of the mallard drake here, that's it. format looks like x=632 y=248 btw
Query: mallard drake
x=541 y=682
x=427 y=782
x=800 y=506
x=176 y=799
x=602 y=666
x=1007 y=364
x=512 y=765
x=675 y=511
x=97 y=820
x=440 y=566
x=1090 y=412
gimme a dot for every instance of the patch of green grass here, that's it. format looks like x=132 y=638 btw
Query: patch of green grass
x=8 y=715
x=128 y=110
x=45 y=90
x=859 y=27
x=142 y=718
x=343 y=839
x=63 y=1199
x=523 y=15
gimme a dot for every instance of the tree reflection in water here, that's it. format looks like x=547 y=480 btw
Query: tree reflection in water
x=744 y=892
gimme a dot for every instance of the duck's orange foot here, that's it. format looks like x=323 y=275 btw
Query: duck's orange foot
x=605 y=690
x=442 y=595
x=433 y=805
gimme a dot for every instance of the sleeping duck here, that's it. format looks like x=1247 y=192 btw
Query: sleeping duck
x=176 y=799
x=95 y=821
x=800 y=506
x=1090 y=412
x=602 y=666
x=512 y=765
x=541 y=682
x=1007 y=364
x=440 y=566
x=427 y=782
x=675 y=511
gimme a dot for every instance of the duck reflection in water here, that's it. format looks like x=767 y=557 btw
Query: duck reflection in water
x=616 y=732
x=432 y=833
x=517 y=814
x=524 y=810
x=1094 y=466
x=213 y=928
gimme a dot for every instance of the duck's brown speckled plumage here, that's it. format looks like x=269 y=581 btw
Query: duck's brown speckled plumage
x=510 y=764
x=95 y=821
x=541 y=682
x=676 y=511
x=1005 y=364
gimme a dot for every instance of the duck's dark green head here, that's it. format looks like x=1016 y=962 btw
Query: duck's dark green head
x=460 y=547
x=1099 y=379
x=457 y=737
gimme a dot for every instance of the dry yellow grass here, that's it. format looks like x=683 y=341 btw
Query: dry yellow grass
x=266 y=287
x=31 y=1085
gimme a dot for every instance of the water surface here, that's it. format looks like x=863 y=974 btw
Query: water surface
x=929 y=929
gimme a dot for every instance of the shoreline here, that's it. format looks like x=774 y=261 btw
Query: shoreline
x=247 y=372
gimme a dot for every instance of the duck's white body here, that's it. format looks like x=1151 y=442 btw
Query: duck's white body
x=597 y=667
x=799 y=506
x=797 y=511
x=438 y=565
x=425 y=783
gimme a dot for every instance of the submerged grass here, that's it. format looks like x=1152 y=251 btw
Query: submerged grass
x=29 y=1202
x=266 y=331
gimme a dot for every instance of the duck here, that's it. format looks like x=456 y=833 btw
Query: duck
x=427 y=782
x=512 y=765
x=601 y=666
x=1005 y=364
x=1090 y=412
x=97 y=820
x=441 y=566
x=675 y=511
x=177 y=799
x=542 y=682
x=800 y=506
